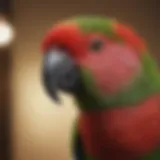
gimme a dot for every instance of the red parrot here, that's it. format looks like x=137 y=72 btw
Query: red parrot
x=107 y=67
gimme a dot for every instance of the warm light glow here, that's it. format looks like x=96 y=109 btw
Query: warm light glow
x=6 y=33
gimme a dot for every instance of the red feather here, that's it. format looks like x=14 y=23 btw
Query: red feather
x=65 y=35
x=130 y=37
x=122 y=134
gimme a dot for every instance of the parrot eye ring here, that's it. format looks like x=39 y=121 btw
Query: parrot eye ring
x=96 y=45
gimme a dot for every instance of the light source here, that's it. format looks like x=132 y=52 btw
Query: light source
x=6 y=29
x=6 y=32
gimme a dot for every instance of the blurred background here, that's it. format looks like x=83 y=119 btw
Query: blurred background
x=32 y=127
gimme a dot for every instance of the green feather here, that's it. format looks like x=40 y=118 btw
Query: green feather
x=95 y=24
x=155 y=155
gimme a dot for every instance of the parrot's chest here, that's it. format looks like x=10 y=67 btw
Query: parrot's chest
x=123 y=133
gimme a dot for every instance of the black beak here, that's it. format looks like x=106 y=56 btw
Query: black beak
x=59 y=73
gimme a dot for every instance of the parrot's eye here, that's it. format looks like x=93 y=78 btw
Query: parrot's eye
x=96 y=45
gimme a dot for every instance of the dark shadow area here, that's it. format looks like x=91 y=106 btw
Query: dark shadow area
x=4 y=105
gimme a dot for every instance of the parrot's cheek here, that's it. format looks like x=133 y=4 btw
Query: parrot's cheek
x=114 y=78
x=114 y=70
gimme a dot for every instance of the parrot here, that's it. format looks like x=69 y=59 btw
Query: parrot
x=108 y=69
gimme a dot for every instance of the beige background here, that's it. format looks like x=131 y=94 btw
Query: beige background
x=41 y=130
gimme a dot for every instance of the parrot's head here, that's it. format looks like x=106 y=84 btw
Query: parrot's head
x=95 y=59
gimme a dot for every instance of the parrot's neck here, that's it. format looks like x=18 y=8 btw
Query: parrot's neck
x=147 y=84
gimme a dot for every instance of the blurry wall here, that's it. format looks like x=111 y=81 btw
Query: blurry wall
x=41 y=130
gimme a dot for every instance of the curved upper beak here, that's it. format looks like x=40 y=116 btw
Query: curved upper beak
x=59 y=72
